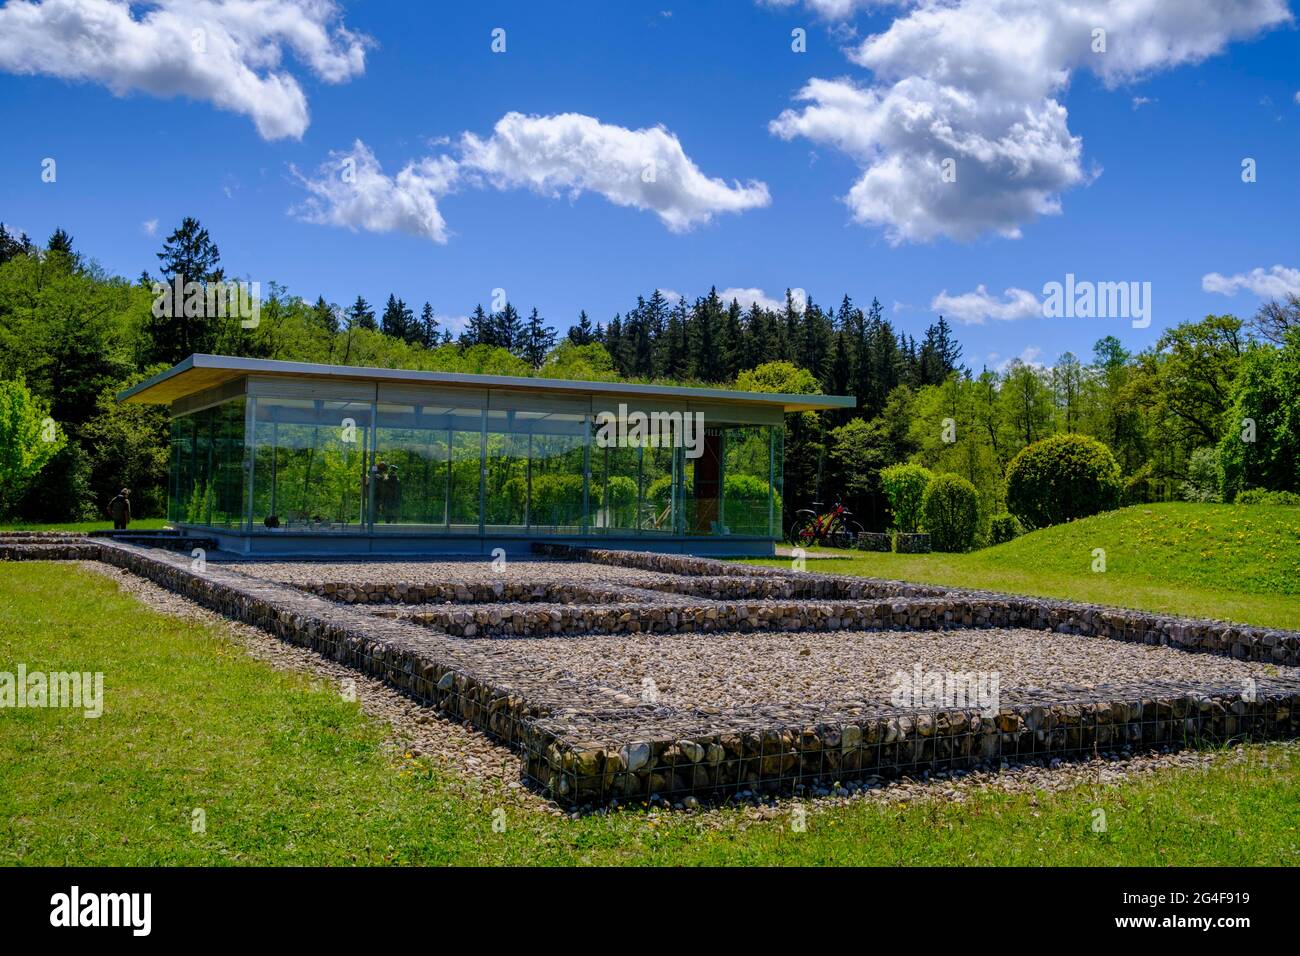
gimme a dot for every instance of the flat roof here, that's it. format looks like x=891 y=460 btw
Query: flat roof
x=200 y=372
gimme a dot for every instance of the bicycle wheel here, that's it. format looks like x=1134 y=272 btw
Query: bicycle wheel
x=803 y=533
x=845 y=534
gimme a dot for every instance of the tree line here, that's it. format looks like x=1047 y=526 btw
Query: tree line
x=1172 y=414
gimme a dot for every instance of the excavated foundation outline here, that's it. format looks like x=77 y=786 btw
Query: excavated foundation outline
x=582 y=748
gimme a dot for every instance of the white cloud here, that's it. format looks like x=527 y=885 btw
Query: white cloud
x=975 y=308
x=227 y=54
x=1297 y=96
x=149 y=227
x=1029 y=356
x=1274 y=283
x=569 y=154
x=977 y=81
x=749 y=297
x=1141 y=101
x=566 y=154
x=830 y=9
x=351 y=190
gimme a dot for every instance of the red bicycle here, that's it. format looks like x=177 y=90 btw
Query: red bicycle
x=835 y=528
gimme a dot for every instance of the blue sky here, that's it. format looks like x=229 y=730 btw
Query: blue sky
x=1139 y=146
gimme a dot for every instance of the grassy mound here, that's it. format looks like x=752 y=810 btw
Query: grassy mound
x=1231 y=562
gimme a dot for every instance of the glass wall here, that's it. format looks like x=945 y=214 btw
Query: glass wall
x=309 y=464
x=498 y=462
x=426 y=471
x=206 y=484
x=536 y=464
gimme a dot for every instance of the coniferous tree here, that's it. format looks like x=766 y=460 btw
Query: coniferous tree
x=398 y=321
x=188 y=255
x=539 y=339
x=428 y=328
x=361 y=316
x=60 y=242
x=325 y=316
x=12 y=246
x=478 y=330
x=507 y=329
x=705 y=338
x=732 y=342
x=582 y=334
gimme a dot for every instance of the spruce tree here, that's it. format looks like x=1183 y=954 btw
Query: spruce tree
x=539 y=339
x=428 y=328
x=361 y=316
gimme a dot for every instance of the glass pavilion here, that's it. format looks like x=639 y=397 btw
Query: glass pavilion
x=291 y=457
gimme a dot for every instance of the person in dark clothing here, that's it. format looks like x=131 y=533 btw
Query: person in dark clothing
x=119 y=509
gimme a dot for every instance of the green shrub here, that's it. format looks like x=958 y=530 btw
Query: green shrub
x=1004 y=527
x=905 y=488
x=1262 y=496
x=950 y=513
x=1061 y=478
x=1204 y=477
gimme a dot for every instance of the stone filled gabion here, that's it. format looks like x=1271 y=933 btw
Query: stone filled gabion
x=872 y=541
x=586 y=744
x=911 y=543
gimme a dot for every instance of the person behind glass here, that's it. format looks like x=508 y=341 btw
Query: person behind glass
x=119 y=509
x=393 y=500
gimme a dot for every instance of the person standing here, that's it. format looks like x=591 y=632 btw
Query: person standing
x=119 y=509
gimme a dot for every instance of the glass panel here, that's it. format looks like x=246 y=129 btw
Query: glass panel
x=535 y=471
x=426 y=467
x=309 y=464
x=778 y=481
x=556 y=480
x=206 y=485
x=507 y=472
x=615 y=488
x=749 y=501
x=660 y=507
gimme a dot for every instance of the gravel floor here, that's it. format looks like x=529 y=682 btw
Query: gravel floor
x=740 y=670
x=449 y=572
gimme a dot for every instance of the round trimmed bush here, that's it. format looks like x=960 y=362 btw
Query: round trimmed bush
x=950 y=513
x=1004 y=527
x=1061 y=478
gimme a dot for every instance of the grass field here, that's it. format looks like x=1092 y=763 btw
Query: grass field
x=1219 y=561
x=289 y=773
x=143 y=524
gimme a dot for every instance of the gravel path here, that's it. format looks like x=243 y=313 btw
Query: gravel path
x=740 y=670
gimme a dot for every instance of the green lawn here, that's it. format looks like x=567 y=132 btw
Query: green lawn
x=1221 y=561
x=142 y=524
x=287 y=773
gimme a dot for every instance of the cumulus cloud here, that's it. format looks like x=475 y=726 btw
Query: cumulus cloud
x=830 y=9
x=1030 y=356
x=976 y=82
x=751 y=297
x=1274 y=283
x=563 y=155
x=351 y=189
x=569 y=154
x=976 y=308
x=228 y=54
